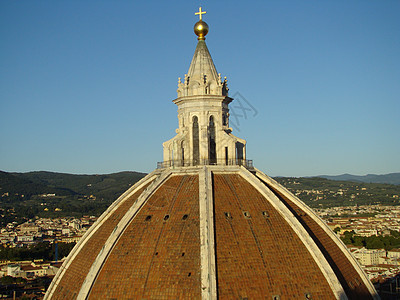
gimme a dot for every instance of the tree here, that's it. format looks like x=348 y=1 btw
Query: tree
x=359 y=241
x=374 y=242
x=347 y=237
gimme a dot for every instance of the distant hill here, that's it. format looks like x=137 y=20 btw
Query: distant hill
x=48 y=194
x=12 y=184
x=392 y=178
x=322 y=192
x=106 y=186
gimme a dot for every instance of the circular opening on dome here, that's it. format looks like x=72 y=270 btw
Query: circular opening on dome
x=183 y=253
x=190 y=274
x=184 y=217
x=265 y=214
x=156 y=253
x=166 y=217
x=308 y=296
x=148 y=218
x=228 y=215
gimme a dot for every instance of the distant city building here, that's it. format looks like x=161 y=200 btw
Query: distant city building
x=394 y=253
x=370 y=256
x=29 y=227
x=29 y=269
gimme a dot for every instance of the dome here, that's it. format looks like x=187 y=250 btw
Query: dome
x=206 y=224
x=207 y=232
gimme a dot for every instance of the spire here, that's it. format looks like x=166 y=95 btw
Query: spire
x=202 y=66
x=202 y=77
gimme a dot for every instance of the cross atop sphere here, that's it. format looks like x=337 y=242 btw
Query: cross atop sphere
x=200 y=13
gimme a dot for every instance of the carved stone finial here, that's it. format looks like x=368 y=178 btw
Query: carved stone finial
x=179 y=80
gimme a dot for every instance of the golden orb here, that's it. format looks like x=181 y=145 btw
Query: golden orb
x=201 y=29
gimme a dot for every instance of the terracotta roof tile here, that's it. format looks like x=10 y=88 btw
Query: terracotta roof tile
x=158 y=257
x=260 y=255
x=69 y=286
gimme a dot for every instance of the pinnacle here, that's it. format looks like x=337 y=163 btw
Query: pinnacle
x=202 y=66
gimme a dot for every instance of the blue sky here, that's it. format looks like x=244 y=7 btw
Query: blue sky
x=86 y=86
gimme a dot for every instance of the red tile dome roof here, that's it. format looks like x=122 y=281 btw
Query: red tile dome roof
x=205 y=232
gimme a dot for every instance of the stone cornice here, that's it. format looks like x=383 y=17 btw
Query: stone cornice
x=200 y=98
